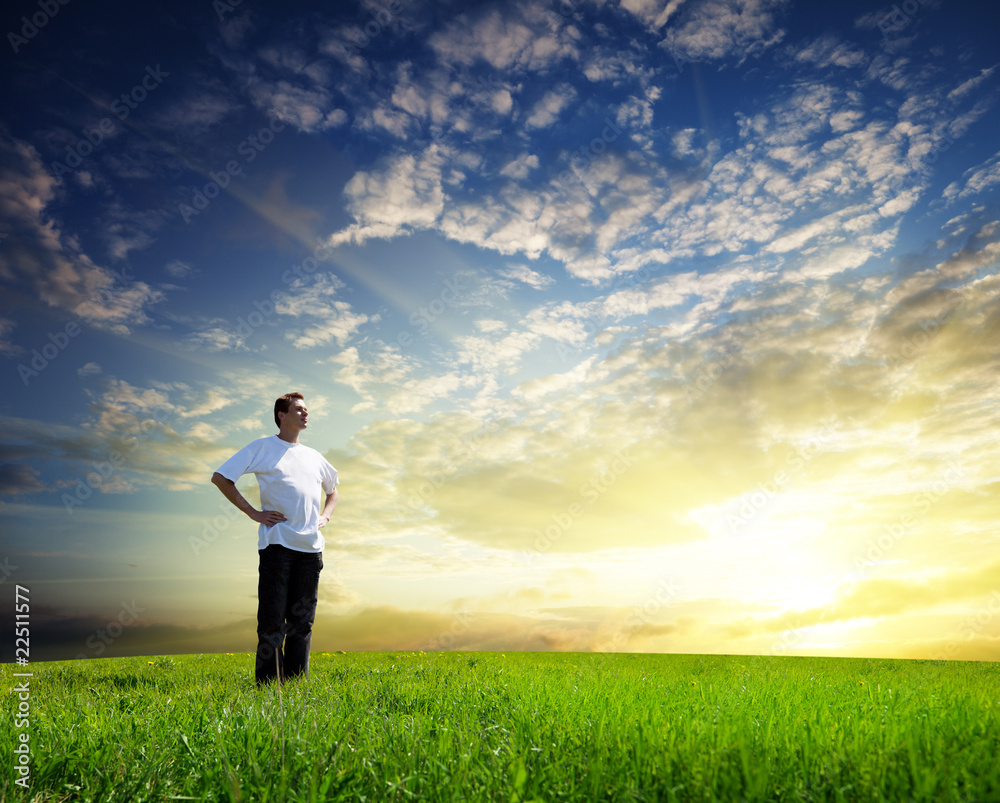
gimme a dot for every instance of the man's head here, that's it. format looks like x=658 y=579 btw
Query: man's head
x=291 y=408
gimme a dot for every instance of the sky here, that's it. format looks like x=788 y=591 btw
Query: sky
x=630 y=326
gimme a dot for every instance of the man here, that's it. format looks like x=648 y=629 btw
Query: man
x=290 y=546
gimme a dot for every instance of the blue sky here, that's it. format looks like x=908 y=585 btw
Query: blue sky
x=663 y=326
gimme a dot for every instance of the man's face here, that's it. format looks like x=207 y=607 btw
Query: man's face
x=296 y=415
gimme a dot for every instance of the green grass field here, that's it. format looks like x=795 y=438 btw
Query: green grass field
x=509 y=727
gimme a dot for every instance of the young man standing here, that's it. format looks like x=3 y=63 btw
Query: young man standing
x=290 y=546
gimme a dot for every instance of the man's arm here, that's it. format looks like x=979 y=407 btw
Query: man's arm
x=232 y=493
x=327 y=512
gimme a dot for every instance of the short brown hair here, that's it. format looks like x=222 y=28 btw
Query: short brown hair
x=281 y=405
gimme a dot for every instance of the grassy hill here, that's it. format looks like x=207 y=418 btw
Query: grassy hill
x=505 y=727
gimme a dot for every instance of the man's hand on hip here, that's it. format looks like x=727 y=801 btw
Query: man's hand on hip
x=323 y=521
x=267 y=517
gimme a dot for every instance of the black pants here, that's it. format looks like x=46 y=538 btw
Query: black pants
x=287 y=590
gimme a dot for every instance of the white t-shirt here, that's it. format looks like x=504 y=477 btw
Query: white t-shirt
x=290 y=476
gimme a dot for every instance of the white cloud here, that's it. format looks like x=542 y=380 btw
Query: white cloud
x=125 y=230
x=62 y=274
x=796 y=239
x=975 y=181
x=820 y=147
x=307 y=108
x=217 y=338
x=563 y=322
x=406 y=194
x=683 y=142
x=314 y=299
x=829 y=51
x=309 y=296
x=493 y=356
x=547 y=110
x=794 y=181
x=654 y=13
x=502 y=102
x=285 y=82
x=338 y=322
x=397 y=123
x=827 y=262
x=972 y=84
x=236 y=29
x=718 y=29
x=635 y=115
x=387 y=380
x=90 y=369
x=490 y=325
x=520 y=167
x=618 y=67
x=7 y=347
x=178 y=268
x=525 y=37
x=525 y=275
x=534 y=390
x=203 y=106
x=408 y=96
